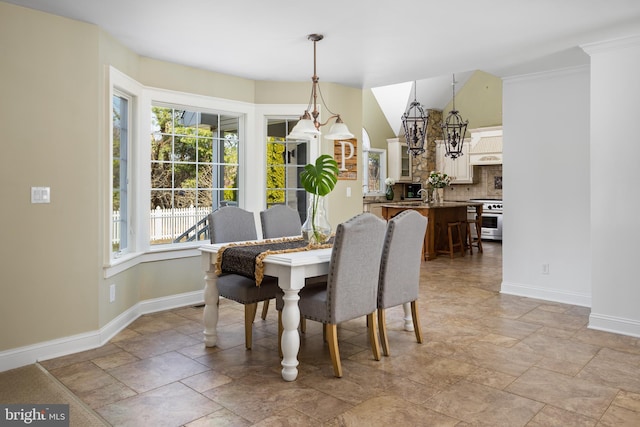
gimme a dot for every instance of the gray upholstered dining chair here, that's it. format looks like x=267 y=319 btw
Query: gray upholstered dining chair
x=352 y=283
x=232 y=224
x=400 y=269
x=280 y=221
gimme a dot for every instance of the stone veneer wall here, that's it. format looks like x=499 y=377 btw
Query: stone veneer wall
x=486 y=179
x=425 y=163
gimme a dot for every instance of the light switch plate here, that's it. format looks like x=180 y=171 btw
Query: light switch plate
x=40 y=194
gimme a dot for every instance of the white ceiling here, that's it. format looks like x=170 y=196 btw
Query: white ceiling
x=367 y=43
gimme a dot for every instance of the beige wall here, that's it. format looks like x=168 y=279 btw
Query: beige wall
x=55 y=119
x=348 y=102
x=479 y=101
x=192 y=80
x=375 y=122
x=50 y=137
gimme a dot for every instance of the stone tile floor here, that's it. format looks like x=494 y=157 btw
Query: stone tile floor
x=487 y=359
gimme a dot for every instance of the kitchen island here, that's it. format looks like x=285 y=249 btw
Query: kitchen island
x=437 y=213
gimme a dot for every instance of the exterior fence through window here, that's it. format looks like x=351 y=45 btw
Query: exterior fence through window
x=165 y=224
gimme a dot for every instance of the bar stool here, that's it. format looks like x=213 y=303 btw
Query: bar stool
x=450 y=249
x=477 y=240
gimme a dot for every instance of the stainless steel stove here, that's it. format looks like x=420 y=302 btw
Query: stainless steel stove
x=491 y=218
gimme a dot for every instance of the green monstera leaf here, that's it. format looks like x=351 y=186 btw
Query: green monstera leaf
x=320 y=179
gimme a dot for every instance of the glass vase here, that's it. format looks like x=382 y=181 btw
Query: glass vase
x=436 y=195
x=316 y=229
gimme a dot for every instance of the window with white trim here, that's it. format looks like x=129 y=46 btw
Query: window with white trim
x=194 y=170
x=121 y=135
x=375 y=167
x=173 y=158
x=375 y=163
x=285 y=159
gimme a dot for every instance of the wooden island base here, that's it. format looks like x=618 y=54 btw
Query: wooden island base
x=436 y=213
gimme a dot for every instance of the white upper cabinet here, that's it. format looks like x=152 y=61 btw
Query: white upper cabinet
x=459 y=169
x=486 y=146
x=399 y=161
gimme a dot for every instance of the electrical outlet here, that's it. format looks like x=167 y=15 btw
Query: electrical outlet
x=348 y=191
x=112 y=293
x=545 y=268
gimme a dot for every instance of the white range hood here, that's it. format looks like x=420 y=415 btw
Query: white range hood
x=486 y=146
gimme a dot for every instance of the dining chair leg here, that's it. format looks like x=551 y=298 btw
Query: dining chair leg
x=249 y=317
x=373 y=335
x=265 y=309
x=416 y=321
x=382 y=327
x=332 y=334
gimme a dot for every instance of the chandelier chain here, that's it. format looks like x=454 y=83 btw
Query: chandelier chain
x=453 y=92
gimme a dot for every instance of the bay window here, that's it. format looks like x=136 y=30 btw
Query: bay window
x=174 y=157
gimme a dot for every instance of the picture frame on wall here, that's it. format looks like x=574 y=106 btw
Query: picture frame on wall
x=345 y=153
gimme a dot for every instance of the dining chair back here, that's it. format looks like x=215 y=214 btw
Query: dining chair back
x=280 y=221
x=233 y=224
x=352 y=283
x=400 y=269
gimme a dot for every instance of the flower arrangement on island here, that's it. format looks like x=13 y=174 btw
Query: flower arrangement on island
x=438 y=179
x=389 y=182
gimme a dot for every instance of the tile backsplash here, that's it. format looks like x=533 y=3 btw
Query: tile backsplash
x=487 y=184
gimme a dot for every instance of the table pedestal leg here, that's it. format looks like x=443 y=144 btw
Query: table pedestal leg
x=290 y=337
x=210 y=313
x=408 y=320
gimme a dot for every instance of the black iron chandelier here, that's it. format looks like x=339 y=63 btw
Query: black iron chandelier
x=454 y=129
x=309 y=125
x=415 y=122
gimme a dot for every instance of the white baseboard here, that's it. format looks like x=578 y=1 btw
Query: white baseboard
x=600 y=322
x=17 y=357
x=617 y=325
x=583 y=300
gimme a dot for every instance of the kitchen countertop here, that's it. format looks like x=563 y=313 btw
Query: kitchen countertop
x=431 y=205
